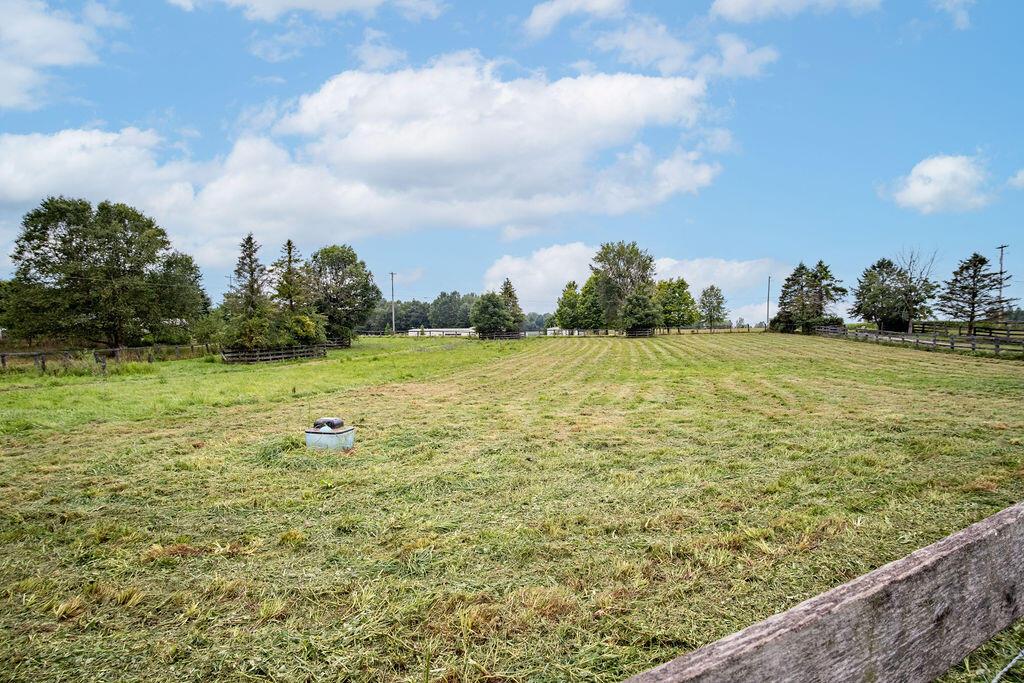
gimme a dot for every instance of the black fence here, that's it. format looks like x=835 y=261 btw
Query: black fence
x=270 y=355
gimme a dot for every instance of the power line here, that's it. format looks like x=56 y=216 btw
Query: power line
x=1002 y=280
x=392 y=302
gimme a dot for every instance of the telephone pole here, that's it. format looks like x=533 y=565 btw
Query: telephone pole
x=1002 y=278
x=768 y=305
x=392 y=303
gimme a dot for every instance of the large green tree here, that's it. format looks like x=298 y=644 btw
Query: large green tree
x=972 y=293
x=446 y=310
x=805 y=298
x=511 y=299
x=640 y=312
x=567 y=312
x=105 y=274
x=875 y=298
x=296 y=321
x=247 y=309
x=711 y=306
x=344 y=291
x=678 y=309
x=591 y=312
x=623 y=269
x=490 y=315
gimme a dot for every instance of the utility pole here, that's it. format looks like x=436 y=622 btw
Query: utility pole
x=768 y=305
x=1002 y=277
x=392 y=303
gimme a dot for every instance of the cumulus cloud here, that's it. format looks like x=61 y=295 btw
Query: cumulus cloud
x=36 y=38
x=545 y=16
x=731 y=276
x=540 y=277
x=745 y=11
x=958 y=10
x=450 y=144
x=271 y=10
x=943 y=183
x=647 y=43
x=375 y=52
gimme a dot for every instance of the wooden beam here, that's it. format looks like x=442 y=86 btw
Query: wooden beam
x=910 y=620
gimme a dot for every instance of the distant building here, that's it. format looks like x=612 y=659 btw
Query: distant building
x=442 y=332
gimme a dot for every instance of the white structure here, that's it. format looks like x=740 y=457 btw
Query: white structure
x=559 y=332
x=442 y=332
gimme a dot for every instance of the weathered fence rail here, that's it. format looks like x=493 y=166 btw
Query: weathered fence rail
x=501 y=335
x=995 y=345
x=135 y=354
x=1006 y=330
x=268 y=355
x=910 y=620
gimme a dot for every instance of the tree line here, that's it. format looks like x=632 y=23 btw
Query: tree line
x=107 y=275
x=894 y=292
x=621 y=293
x=447 y=310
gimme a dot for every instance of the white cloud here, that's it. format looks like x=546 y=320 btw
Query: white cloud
x=511 y=233
x=731 y=276
x=451 y=144
x=375 y=53
x=540 y=277
x=957 y=10
x=646 y=42
x=737 y=59
x=286 y=44
x=1017 y=181
x=35 y=38
x=545 y=16
x=943 y=183
x=745 y=11
x=271 y=10
x=408 y=277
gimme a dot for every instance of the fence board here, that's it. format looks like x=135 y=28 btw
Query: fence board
x=910 y=620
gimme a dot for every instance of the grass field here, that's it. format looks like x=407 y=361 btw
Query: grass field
x=549 y=509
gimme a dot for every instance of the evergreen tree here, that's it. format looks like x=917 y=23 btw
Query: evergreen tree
x=591 y=312
x=640 y=312
x=876 y=297
x=972 y=294
x=296 y=321
x=712 y=307
x=490 y=315
x=678 y=309
x=247 y=306
x=825 y=289
x=567 y=313
x=511 y=299
x=805 y=297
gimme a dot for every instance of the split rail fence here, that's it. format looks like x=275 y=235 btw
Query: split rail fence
x=910 y=620
x=954 y=342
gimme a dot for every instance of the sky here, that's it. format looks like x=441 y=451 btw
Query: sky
x=457 y=143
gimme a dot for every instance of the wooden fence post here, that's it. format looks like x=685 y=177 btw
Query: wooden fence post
x=42 y=361
x=3 y=361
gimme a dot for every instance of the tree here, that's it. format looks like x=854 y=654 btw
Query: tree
x=972 y=293
x=445 y=310
x=805 y=298
x=876 y=297
x=623 y=269
x=536 y=321
x=511 y=299
x=915 y=287
x=490 y=315
x=712 y=307
x=296 y=321
x=567 y=313
x=640 y=312
x=591 y=313
x=105 y=275
x=678 y=309
x=183 y=303
x=247 y=307
x=343 y=289
x=413 y=315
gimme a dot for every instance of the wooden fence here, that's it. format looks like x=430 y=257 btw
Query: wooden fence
x=64 y=358
x=985 y=329
x=908 y=621
x=975 y=343
x=268 y=355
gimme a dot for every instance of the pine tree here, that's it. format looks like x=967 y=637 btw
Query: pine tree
x=972 y=294
x=515 y=313
x=291 y=285
x=567 y=314
x=247 y=307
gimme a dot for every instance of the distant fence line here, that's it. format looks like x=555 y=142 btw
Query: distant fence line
x=910 y=620
x=98 y=358
x=1008 y=330
x=989 y=344
x=658 y=331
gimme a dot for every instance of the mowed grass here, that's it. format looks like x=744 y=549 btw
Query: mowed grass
x=550 y=509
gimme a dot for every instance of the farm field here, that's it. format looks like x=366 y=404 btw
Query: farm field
x=547 y=509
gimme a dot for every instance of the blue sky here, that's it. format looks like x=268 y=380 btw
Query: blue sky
x=460 y=143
